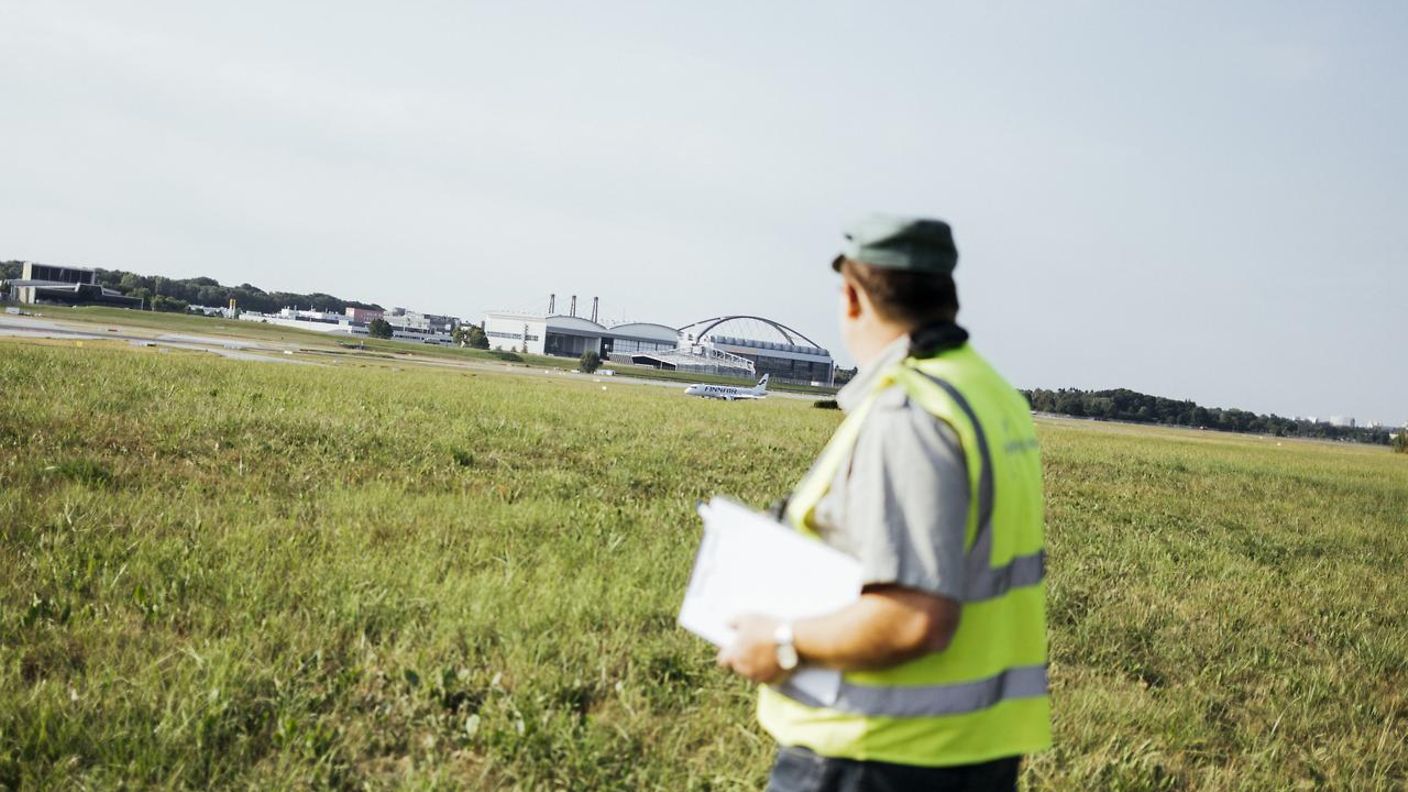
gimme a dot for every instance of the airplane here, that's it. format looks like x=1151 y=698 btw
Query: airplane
x=729 y=392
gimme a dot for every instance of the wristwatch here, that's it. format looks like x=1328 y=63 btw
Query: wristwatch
x=786 y=652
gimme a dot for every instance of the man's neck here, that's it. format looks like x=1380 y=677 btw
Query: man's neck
x=876 y=341
x=881 y=352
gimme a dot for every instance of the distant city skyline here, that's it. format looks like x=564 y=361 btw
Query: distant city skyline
x=1200 y=201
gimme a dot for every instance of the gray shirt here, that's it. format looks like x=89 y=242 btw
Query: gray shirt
x=899 y=503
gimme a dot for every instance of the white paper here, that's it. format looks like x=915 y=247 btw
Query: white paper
x=749 y=563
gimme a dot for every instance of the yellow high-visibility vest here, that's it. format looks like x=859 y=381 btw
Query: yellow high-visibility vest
x=985 y=696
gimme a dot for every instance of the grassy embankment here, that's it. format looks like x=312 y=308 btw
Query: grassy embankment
x=235 y=574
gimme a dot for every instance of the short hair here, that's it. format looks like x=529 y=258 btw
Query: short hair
x=912 y=298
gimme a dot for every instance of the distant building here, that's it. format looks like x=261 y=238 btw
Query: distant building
x=790 y=358
x=291 y=318
x=405 y=325
x=1342 y=421
x=363 y=316
x=325 y=317
x=45 y=284
x=772 y=347
x=566 y=336
x=441 y=323
x=415 y=326
x=804 y=363
x=46 y=272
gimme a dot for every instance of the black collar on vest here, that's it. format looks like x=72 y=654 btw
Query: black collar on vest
x=931 y=340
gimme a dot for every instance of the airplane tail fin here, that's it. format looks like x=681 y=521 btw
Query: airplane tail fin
x=763 y=383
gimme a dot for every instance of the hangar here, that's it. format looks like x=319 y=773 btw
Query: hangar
x=43 y=283
x=736 y=345
x=772 y=347
x=638 y=343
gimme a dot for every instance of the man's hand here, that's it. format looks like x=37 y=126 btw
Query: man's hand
x=753 y=653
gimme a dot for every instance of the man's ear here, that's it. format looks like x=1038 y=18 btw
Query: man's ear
x=852 y=298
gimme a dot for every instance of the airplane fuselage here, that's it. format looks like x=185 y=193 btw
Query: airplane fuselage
x=719 y=392
x=729 y=392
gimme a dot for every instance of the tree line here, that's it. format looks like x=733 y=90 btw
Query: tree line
x=1123 y=404
x=176 y=294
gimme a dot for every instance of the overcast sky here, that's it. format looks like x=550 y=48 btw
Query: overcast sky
x=1190 y=199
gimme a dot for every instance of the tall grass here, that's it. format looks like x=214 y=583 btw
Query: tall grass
x=1226 y=612
x=232 y=574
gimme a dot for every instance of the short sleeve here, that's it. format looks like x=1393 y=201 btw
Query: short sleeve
x=907 y=498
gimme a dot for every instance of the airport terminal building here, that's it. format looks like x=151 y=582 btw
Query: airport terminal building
x=738 y=346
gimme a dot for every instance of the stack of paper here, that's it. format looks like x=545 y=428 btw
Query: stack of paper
x=749 y=563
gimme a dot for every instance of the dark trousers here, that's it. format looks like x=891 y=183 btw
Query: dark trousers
x=800 y=770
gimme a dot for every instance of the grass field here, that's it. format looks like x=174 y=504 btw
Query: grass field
x=234 y=574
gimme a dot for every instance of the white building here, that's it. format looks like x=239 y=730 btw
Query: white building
x=299 y=323
x=641 y=343
x=326 y=317
x=520 y=332
x=570 y=336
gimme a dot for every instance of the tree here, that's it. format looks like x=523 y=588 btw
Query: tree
x=590 y=361
x=472 y=336
x=379 y=328
x=130 y=282
x=169 y=304
x=1400 y=441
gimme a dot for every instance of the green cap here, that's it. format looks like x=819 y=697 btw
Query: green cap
x=917 y=244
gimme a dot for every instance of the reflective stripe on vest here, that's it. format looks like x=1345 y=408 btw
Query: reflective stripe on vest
x=952 y=699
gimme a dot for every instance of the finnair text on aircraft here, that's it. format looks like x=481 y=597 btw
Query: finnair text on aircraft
x=729 y=392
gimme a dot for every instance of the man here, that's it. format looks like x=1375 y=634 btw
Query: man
x=933 y=483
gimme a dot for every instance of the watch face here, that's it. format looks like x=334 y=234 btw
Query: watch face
x=786 y=657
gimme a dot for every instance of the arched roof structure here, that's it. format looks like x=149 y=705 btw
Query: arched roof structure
x=575 y=323
x=704 y=327
x=646 y=330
